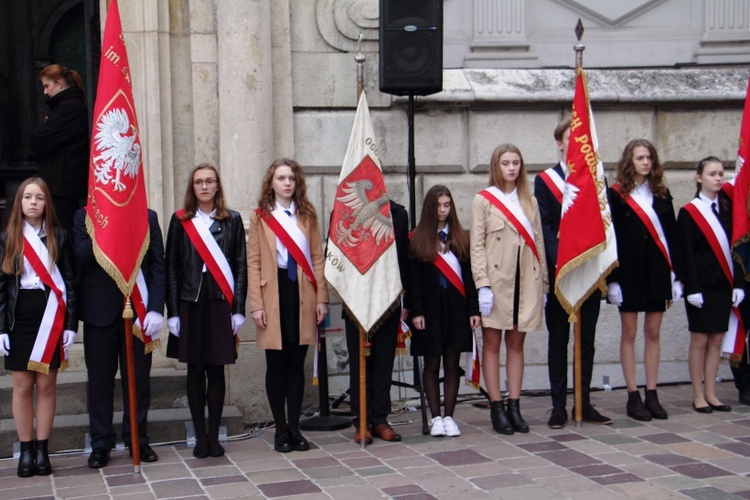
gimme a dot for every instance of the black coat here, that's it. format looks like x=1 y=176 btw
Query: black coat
x=428 y=298
x=184 y=265
x=643 y=272
x=9 y=284
x=550 y=211
x=101 y=299
x=62 y=144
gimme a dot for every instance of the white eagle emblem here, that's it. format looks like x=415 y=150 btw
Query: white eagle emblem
x=365 y=214
x=570 y=193
x=117 y=147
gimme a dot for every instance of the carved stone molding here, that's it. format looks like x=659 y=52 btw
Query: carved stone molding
x=340 y=23
x=726 y=21
x=499 y=31
x=610 y=13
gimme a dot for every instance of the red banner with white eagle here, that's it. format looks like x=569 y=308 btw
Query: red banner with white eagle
x=116 y=209
x=587 y=249
x=361 y=262
x=740 y=203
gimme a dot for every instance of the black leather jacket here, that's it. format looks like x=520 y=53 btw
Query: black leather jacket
x=9 y=284
x=184 y=265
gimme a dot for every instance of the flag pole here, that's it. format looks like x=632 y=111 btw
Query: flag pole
x=360 y=58
x=577 y=389
x=135 y=448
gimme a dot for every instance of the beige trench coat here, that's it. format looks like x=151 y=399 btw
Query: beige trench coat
x=263 y=282
x=494 y=247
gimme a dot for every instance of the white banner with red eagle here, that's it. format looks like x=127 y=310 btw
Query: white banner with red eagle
x=116 y=209
x=587 y=249
x=361 y=262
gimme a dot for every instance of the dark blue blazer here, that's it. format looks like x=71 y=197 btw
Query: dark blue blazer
x=550 y=211
x=101 y=302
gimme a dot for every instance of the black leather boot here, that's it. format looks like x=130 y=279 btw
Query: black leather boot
x=42 y=466
x=26 y=460
x=514 y=415
x=653 y=406
x=500 y=421
x=635 y=408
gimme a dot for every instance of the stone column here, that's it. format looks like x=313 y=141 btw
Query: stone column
x=725 y=23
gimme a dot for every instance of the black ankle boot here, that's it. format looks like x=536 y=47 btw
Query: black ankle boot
x=500 y=421
x=514 y=415
x=635 y=408
x=42 y=467
x=653 y=406
x=26 y=460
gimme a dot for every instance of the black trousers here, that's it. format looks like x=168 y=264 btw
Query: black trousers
x=103 y=348
x=557 y=354
x=379 y=368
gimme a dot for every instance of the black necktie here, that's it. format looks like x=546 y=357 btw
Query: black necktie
x=291 y=264
x=714 y=209
x=443 y=281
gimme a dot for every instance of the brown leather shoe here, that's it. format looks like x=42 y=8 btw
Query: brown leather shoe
x=358 y=437
x=386 y=432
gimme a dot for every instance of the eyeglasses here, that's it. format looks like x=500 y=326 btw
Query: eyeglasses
x=207 y=182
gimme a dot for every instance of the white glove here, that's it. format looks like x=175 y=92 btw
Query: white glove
x=676 y=291
x=544 y=304
x=696 y=299
x=486 y=301
x=4 y=343
x=173 y=325
x=152 y=323
x=237 y=321
x=69 y=336
x=614 y=294
x=738 y=295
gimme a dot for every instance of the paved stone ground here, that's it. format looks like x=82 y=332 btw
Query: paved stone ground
x=690 y=455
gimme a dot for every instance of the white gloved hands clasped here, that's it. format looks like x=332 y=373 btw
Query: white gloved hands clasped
x=237 y=321
x=738 y=295
x=614 y=294
x=486 y=301
x=173 y=325
x=695 y=300
x=152 y=323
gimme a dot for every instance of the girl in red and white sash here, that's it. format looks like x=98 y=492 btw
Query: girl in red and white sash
x=714 y=283
x=647 y=277
x=510 y=273
x=38 y=321
x=288 y=292
x=443 y=302
x=206 y=260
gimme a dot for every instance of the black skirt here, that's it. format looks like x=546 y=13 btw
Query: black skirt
x=437 y=341
x=205 y=332
x=713 y=317
x=30 y=306
x=288 y=309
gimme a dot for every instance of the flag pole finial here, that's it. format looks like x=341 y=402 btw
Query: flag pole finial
x=579 y=46
x=360 y=60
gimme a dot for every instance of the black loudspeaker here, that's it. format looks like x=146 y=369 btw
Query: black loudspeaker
x=411 y=46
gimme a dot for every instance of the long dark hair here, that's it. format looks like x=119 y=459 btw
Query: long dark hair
x=626 y=170
x=425 y=240
x=15 y=241
x=191 y=201
x=267 y=198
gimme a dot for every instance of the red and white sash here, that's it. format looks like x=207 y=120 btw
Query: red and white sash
x=212 y=255
x=514 y=213
x=48 y=338
x=554 y=182
x=447 y=263
x=648 y=217
x=733 y=343
x=293 y=239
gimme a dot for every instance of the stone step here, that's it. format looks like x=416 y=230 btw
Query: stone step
x=164 y=426
x=167 y=391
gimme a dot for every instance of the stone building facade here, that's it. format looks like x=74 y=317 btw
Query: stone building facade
x=240 y=83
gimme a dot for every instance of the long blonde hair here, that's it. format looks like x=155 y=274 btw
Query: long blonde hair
x=522 y=184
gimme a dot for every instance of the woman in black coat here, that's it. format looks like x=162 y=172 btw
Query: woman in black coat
x=443 y=302
x=709 y=294
x=62 y=141
x=644 y=222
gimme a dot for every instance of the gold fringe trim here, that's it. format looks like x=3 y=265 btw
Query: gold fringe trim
x=601 y=283
x=393 y=307
x=315 y=381
x=472 y=384
x=147 y=347
x=38 y=366
x=737 y=258
x=64 y=365
x=126 y=287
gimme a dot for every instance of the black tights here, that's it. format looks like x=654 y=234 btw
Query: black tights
x=205 y=384
x=431 y=377
x=285 y=384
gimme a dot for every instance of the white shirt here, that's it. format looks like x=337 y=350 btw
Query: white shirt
x=282 y=254
x=644 y=191
x=564 y=169
x=207 y=220
x=30 y=280
x=705 y=199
